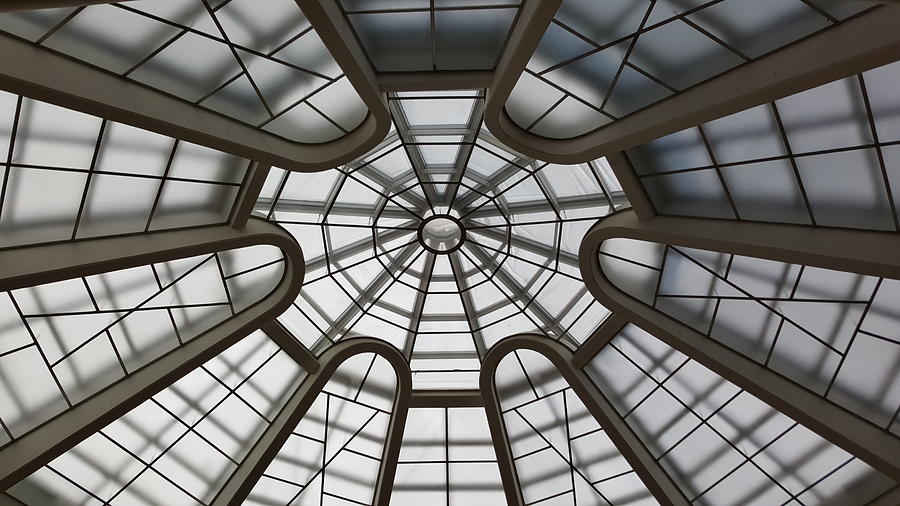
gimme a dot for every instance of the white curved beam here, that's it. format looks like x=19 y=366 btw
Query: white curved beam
x=867 y=41
x=54 y=262
x=239 y=485
x=638 y=456
x=863 y=252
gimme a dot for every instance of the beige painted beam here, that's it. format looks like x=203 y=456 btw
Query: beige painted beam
x=638 y=456
x=239 y=485
x=44 y=264
x=864 y=42
x=864 y=252
x=631 y=185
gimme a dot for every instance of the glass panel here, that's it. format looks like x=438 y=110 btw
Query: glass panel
x=336 y=450
x=619 y=56
x=447 y=458
x=70 y=339
x=182 y=444
x=374 y=269
x=830 y=331
x=811 y=158
x=252 y=60
x=562 y=455
x=720 y=444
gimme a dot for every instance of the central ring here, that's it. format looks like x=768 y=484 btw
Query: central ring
x=441 y=234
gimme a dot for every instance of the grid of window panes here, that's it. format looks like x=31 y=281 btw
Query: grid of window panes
x=257 y=61
x=62 y=342
x=788 y=161
x=180 y=446
x=447 y=458
x=416 y=35
x=68 y=175
x=720 y=444
x=600 y=61
x=516 y=271
x=561 y=454
x=334 y=454
x=830 y=331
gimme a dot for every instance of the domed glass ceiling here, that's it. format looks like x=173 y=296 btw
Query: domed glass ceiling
x=195 y=308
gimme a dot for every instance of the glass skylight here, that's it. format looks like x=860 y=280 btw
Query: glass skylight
x=257 y=61
x=180 y=325
x=442 y=241
x=600 y=61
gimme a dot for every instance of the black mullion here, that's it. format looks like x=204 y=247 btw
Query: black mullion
x=37 y=345
x=59 y=25
x=446 y=449
x=884 y=176
x=433 y=54
x=821 y=11
x=327 y=117
x=168 y=309
x=712 y=157
x=548 y=111
x=781 y=321
x=87 y=182
x=224 y=283
x=127 y=313
x=652 y=77
x=755 y=299
x=162 y=183
x=365 y=378
x=859 y=323
x=790 y=157
x=237 y=57
x=569 y=446
x=717 y=40
x=9 y=153
x=631 y=45
x=525 y=373
x=109 y=336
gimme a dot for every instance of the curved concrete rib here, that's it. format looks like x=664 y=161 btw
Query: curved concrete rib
x=44 y=75
x=867 y=41
x=647 y=468
x=239 y=485
x=54 y=262
x=863 y=252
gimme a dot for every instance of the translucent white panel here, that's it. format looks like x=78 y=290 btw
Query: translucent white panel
x=336 y=448
x=340 y=103
x=447 y=457
x=680 y=55
x=570 y=118
x=395 y=41
x=470 y=40
x=530 y=99
x=127 y=149
x=825 y=117
x=88 y=37
x=832 y=332
x=557 y=446
x=262 y=25
x=181 y=444
x=40 y=205
x=50 y=135
x=734 y=449
x=768 y=25
x=79 y=336
x=747 y=135
x=304 y=122
x=696 y=193
x=846 y=189
x=116 y=205
x=681 y=150
x=883 y=101
x=766 y=191
x=183 y=203
x=33 y=24
x=190 y=67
